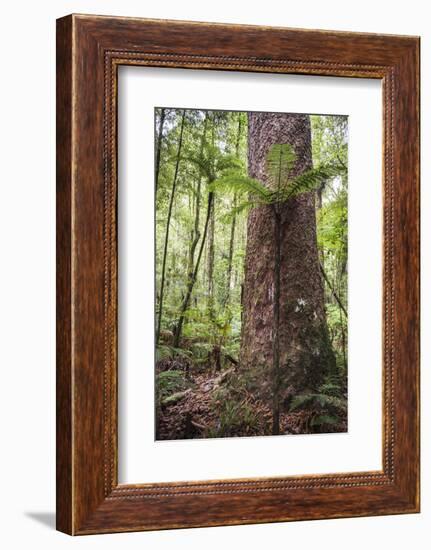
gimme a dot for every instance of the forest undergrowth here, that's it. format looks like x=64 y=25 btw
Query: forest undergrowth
x=194 y=400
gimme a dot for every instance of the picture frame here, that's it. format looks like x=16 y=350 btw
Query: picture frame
x=89 y=51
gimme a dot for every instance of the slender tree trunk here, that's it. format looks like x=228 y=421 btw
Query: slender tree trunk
x=342 y=309
x=343 y=340
x=159 y=145
x=191 y=284
x=168 y=224
x=230 y=257
x=301 y=338
x=211 y=236
x=210 y=267
x=196 y=232
x=333 y=292
x=233 y=226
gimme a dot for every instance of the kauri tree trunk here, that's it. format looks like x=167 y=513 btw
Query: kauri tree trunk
x=303 y=348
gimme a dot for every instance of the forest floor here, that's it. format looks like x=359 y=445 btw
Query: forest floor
x=212 y=406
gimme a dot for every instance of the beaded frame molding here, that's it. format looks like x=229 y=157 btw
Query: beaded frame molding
x=89 y=51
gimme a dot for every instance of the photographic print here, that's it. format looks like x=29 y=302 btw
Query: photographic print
x=251 y=235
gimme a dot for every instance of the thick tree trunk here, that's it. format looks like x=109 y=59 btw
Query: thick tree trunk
x=300 y=344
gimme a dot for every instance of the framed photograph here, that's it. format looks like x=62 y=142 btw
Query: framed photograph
x=237 y=274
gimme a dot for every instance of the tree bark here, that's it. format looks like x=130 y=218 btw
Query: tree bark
x=299 y=341
x=276 y=325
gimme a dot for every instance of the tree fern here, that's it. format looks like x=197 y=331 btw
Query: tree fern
x=280 y=161
x=242 y=207
x=309 y=181
x=238 y=183
x=229 y=162
x=228 y=177
x=213 y=164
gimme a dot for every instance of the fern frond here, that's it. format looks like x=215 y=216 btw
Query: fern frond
x=229 y=162
x=241 y=184
x=322 y=400
x=280 y=160
x=309 y=181
x=324 y=419
x=300 y=401
x=243 y=207
x=202 y=164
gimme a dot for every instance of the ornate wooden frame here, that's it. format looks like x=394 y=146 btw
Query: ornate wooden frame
x=89 y=51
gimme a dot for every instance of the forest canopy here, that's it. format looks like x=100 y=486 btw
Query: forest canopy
x=251 y=273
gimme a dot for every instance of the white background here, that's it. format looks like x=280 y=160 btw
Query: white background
x=141 y=458
x=27 y=122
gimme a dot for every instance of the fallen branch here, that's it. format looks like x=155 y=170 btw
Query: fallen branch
x=220 y=379
x=175 y=397
x=232 y=360
x=199 y=426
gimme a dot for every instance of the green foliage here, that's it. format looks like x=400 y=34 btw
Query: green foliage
x=332 y=220
x=280 y=161
x=327 y=406
x=236 y=183
x=213 y=163
x=324 y=420
x=237 y=418
x=330 y=147
x=169 y=352
x=170 y=382
x=318 y=401
x=330 y=134
x=308 y=181
x=233 y=213
x=235 y=414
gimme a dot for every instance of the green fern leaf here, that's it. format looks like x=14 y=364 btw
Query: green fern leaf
x=300 y=401
x=243 y=207
x=323 y=419
x=279 y=164
x=309 y=181
x=241 y=184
